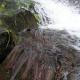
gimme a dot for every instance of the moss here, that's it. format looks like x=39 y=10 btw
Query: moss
x=17 y=15
x=23 y=19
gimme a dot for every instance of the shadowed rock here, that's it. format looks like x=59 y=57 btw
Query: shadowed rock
x=6 y=44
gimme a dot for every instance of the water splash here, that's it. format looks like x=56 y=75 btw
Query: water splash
x=62 y=16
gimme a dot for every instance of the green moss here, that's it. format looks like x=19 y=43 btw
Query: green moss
x=14 y=15
x=23 y=19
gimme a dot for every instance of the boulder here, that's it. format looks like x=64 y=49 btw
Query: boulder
x=20 y=20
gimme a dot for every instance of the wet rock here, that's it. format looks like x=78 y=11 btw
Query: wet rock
x=21 y=20
x=43 y=51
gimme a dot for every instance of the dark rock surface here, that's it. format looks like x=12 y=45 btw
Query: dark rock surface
x=47 y=48
x=6 y=44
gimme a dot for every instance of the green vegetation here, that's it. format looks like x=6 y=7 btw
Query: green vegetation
x=16 y=15
x=13 y=15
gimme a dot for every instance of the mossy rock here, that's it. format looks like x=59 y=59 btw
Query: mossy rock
x=21 y=20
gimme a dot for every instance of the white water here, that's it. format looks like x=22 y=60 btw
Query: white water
x=65 y=76
x=62 y=16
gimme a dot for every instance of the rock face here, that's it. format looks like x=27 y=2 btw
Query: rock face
x=6 y=44
x=45 y=55
x=20 y=20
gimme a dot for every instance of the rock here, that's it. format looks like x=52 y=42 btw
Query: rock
x=2 y=77
x=43 y=50
x=6 y=44
x=21 y=20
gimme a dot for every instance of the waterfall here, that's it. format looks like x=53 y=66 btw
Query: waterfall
x=62 y=15
x=42 y=46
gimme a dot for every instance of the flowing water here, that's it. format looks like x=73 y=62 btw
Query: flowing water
x=61 y=15
x=56 y=15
